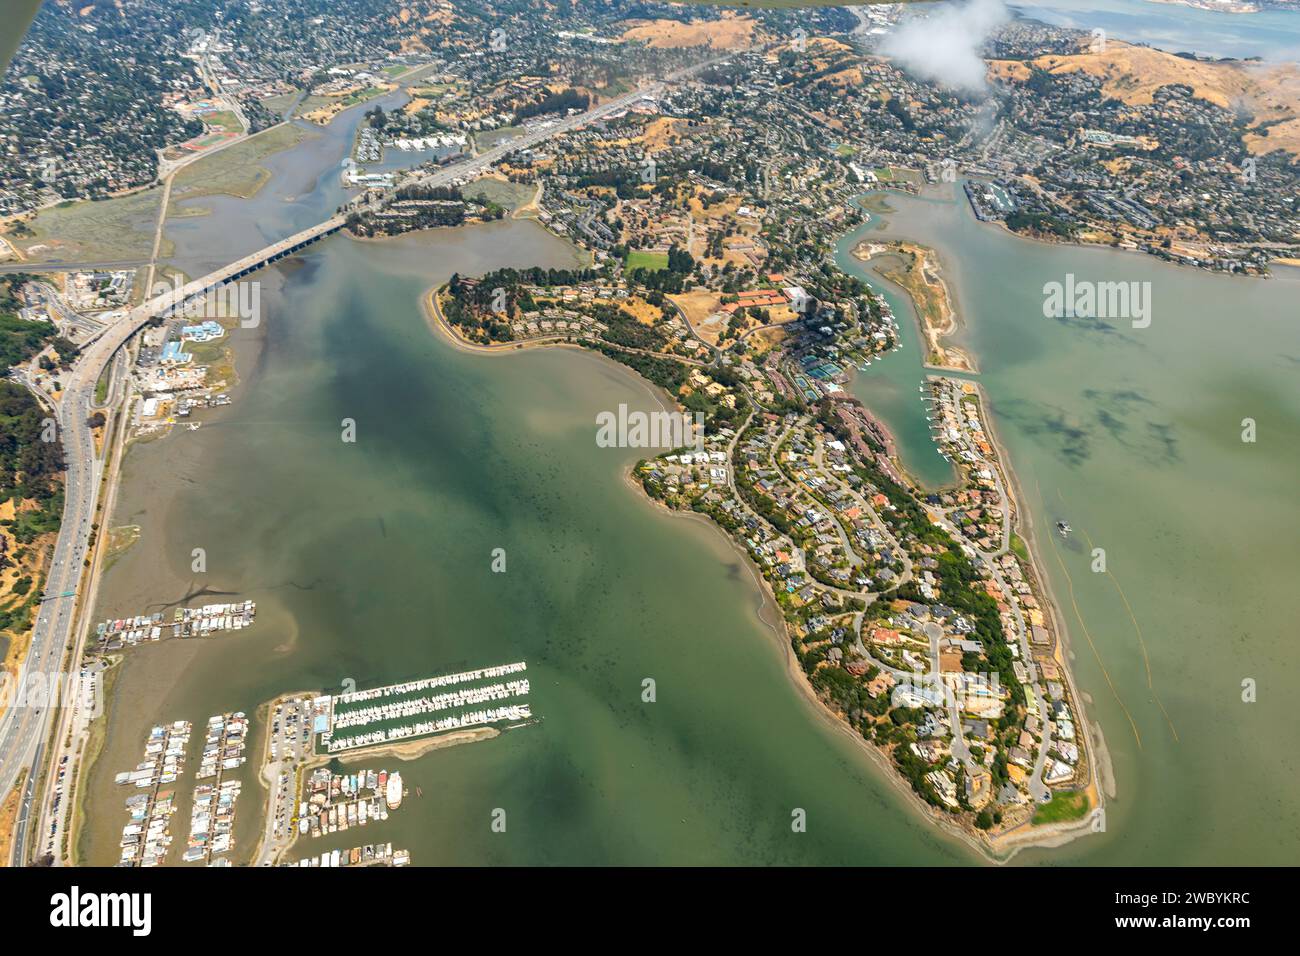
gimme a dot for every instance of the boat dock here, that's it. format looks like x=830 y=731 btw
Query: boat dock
x=422 y=708
x=202 y=621
x=145 y=838
x=340 y=801
x=223 y=748
x=212 y=815
x=212 y=821
x=372 y=854
x=310 y=800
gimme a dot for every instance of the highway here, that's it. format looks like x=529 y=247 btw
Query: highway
x=23 y=730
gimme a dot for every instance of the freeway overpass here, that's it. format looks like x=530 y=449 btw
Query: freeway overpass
x=175 y=299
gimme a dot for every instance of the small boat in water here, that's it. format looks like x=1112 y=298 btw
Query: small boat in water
x=1063 y=528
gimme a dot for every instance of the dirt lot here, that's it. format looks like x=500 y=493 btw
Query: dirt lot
x=730 y=33
x=697 y=305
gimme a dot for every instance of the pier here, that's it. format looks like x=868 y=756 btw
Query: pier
x=340 y=801
x=145 y=839
x=416 y=709
x=372 y=854
x=202 y=621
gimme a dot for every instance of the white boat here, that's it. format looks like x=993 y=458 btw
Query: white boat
x=393 y=791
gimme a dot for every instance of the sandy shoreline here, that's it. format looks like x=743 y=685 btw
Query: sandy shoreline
x=933 y=335
x=1102 y=783
x=776 y=626
x=1098 y=757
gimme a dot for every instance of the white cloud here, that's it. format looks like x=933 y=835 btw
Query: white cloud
x=944 y=45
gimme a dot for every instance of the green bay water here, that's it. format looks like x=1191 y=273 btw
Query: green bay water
x=1134 y=436
x=371 y=562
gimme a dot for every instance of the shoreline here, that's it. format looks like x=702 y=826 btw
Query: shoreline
x=997 y=850
x=817 y=708
x=925 y=261
x=1102 y=781
x=1022 y=525
x=268 y=770
x=935 y=194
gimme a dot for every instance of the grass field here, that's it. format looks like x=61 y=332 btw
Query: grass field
x=416 y=74
x=279 y=103
x=120 y=228
x=646 y=260
x=226 y=120
x=429 y=91
x=1062 y=808
x=312 y=102
x=727 y=33
x=235 y=171
x=889 y=174
x=504 y=193
x=360 y=96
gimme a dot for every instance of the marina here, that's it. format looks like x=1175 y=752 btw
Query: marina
x=372 y=854
x=578 y=661
x=223 y=749
x=386 y=590
x=414 y=709
x=145 y=838
x=202 y=621
x=212 y=821
x=339 y=801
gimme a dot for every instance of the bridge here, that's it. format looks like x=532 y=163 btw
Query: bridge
x=23 y=731
x=175 y=299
